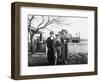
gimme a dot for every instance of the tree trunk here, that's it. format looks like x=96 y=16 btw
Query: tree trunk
x=31 y=47
x=41 y=37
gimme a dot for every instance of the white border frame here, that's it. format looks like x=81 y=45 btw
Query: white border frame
x=25 y=70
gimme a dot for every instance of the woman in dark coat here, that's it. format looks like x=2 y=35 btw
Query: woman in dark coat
x=51 y=50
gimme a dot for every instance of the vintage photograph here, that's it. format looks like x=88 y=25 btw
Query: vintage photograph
x=57 y=40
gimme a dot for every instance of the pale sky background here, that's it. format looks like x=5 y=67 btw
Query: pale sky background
x=72 y=24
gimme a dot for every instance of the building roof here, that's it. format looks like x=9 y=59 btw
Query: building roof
x=75 y=38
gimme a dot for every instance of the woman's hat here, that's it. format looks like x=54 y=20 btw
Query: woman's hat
x=51 y=32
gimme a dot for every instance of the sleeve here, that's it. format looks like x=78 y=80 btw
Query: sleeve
x=47 y=42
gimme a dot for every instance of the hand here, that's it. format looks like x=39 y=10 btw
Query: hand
x=56 y=54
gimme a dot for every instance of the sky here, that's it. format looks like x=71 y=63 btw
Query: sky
x=72 y=24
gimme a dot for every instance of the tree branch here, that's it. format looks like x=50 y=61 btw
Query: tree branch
x=46 y=24
x=31 y=18
x=29 y=25
x=54 y=19
x=41 y=22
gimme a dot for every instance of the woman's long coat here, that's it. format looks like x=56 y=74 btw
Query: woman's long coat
x=51 y=50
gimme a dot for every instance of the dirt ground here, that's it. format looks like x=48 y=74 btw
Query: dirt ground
x=40 y=59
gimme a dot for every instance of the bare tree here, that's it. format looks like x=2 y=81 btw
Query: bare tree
x=45 y=21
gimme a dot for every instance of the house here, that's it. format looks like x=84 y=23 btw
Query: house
x=75 y=40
